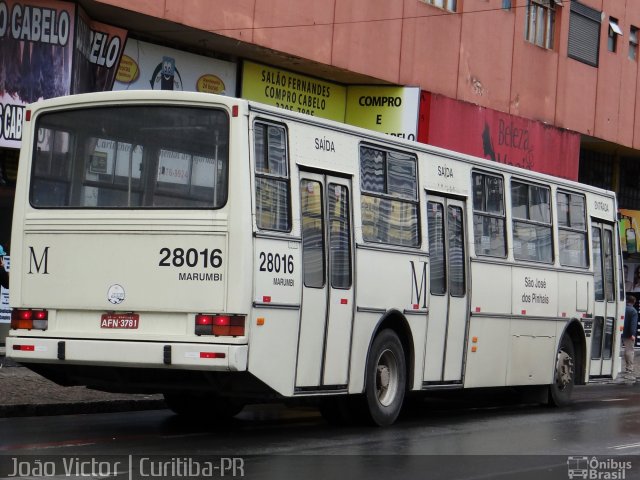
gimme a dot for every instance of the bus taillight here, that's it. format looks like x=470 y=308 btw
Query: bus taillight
x=25 y=348
x=29 y=319
x=220 y=325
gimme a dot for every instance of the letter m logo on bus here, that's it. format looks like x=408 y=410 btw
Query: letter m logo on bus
x=419 y=291
x=41 y=265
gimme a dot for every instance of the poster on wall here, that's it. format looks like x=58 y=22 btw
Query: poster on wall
x=632 y=277
x=391 y=110
x=36 y=45
x=5 y=310
x=146 y=66
x=629 y=227
x=98 y=48
x=631 y=269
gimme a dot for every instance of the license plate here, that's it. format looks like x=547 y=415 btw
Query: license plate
x=119 y=320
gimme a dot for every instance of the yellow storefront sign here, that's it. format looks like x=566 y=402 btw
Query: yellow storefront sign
x=386 y=109
x=392 y=110
x=293 y=91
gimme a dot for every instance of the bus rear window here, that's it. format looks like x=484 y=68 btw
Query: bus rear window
x=131 y=157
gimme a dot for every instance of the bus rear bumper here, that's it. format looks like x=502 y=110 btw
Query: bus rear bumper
x=198 y=356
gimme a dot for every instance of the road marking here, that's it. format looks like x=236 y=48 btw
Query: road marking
x=80 y=442
x=45 y=446
x=613 y=399
x=623 y=447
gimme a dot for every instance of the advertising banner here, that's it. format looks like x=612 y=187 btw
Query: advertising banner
x=293 y=91
x=629 y=225
x=36 y=45
x=392 y=110
x=98 y=48
x=498 y=136
x=146 y=66
x=5 y=310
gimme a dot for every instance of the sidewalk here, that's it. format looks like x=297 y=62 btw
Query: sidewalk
x=25 y=393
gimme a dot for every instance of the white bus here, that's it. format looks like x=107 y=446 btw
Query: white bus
x=224 y=252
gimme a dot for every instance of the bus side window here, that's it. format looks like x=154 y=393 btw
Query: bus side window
x=489 y=215
x=531 y=207
x=389 y=199
x=572 y=230
x=272 y=177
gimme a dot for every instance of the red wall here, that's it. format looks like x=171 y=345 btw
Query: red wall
x=500 y=137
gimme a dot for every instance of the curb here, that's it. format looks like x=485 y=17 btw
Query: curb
x=78 y=408
x=51 y=399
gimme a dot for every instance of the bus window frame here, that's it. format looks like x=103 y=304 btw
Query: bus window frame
x=347 y=219
x=585 y=231
x=79 y=164
x=269 y=176
x=415 y=201
x=528 y=221
x=487 y=214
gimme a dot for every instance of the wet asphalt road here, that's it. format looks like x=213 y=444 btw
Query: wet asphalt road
x=434 y=438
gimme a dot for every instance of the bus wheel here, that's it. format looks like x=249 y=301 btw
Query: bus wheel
x=385 y=379
x=193 y=405
x=564 y=374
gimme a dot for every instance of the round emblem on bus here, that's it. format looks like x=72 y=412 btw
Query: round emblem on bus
x=115 y=294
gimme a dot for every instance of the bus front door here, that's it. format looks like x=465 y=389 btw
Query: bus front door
x=604 y=315
x=326 y=314
x=448 y=303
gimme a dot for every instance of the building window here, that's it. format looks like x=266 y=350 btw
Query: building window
x=614 y=31
x=628 y=192
x=596 y=169
x=633 y=43
x=446 y=4
x=506 y=4
x=584 y=34
x=540 y=22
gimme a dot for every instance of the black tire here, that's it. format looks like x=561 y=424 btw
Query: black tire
x=197 y=405
x=386 y=379
x=564 y=375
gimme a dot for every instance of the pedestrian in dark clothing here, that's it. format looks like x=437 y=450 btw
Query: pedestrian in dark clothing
x=629 y=337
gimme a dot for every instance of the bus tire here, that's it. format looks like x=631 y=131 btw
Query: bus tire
x=194 y=405
x=386 y=378
x=563 y=375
